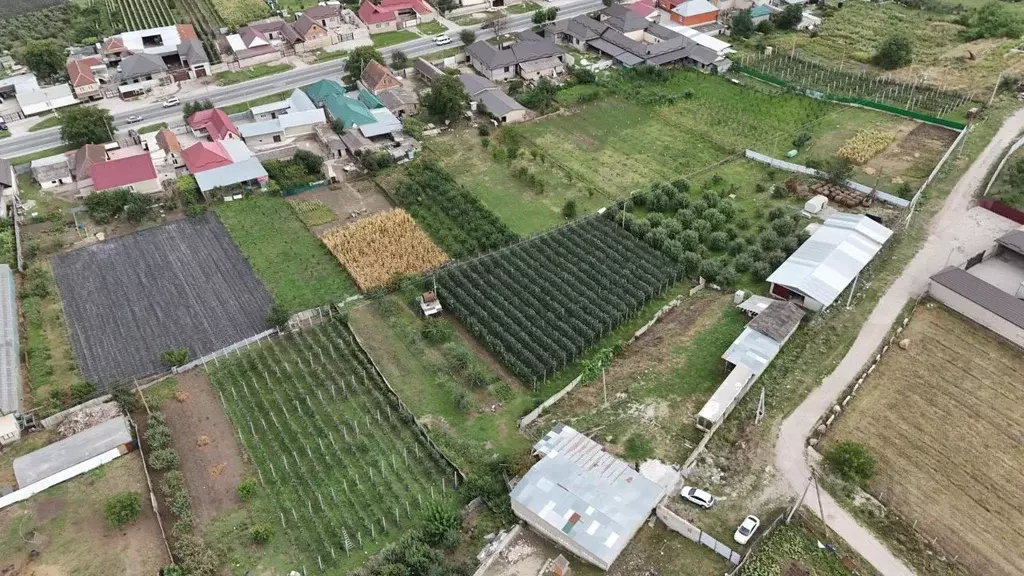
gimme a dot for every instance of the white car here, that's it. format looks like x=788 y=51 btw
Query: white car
x=698 y=497
x=442 y=39
x=171 y=102
x=134 y=119
x=747 y=528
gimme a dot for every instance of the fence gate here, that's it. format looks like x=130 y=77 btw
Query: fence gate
x=975 y=260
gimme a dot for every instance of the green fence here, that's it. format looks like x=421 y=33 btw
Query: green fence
x=849 y=100
x=304 y=188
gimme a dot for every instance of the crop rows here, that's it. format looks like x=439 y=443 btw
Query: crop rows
x=142 y=14
x=340 y=459
x=831 y=79
x=207 y=22
x=540 y=304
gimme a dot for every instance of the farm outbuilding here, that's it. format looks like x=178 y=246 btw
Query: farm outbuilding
x=74 y=449
x=586 y=500
x=10 y=374
x=980 y=301
x=829 y=261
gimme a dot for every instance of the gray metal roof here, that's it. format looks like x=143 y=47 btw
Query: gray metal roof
x=498 y=103
x=427 y=69
x=753 y=350
x=75 y=449
x=7 y=177
x=530 y=46
x=237 y=173
x=1000 y=303
x=474 y=83
x=10 y=374
x=1012 y=241
x=191 y=50
x=824 y=265
x=590 y=496
x=778 y=321
x=138 y=65
x=756 y=304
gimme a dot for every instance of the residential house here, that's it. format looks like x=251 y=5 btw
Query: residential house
x=178 y=46
x=168 y=142
x=141 y=73
x=8 y=187
x=45 y=99
x=390 y=15
x=693 y=12
x=366 y=123
x=341 y=22
x=85 y=158
x=224 y=164
x=267 y=40
x=135 y=173
x=212 y=124
x=52 y=171
x=85 y=75
x=193 y=58
x=377 y=77
x=491 y=100
x=284 y=121
x=531 y=56
x=829 y=261
x=583 y=498
x=379 y=80
x=401 y=101
x=760 y=13
x=428 y=71
x=328 y=16
x=646 y=9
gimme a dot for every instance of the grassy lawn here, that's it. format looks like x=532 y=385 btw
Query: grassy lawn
x=243 y=106
x=391 y=38
x=4 y=133
x=295 y=267
x=851 y=35
x=26 y=158
x=477 y=18
x=297 y=5
x=523 y=8
x=1008 y=188
x=50 y=121
x=431 y=28
x=934 y=416
x=152 y=128
x=258 y=71
x=326 y=56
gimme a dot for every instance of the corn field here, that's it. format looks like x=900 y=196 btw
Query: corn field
x=834 y=80
x=865 y=145
x=342 y=460
x=376 y=250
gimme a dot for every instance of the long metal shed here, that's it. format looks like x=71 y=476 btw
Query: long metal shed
x=74 y=449
x=10 y=375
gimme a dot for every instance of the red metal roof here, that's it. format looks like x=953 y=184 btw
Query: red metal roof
x=642 y=7
x=205 y=156
x=80 y=71
x=215 y=122
x=371 y=13
x=122 y=172
x=187 y=32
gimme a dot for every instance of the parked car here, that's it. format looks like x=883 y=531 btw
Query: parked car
x=3 y=125
x=134 y=119
x=747 y=528
x=173 y=101
x=442 y=39
x=698 y=497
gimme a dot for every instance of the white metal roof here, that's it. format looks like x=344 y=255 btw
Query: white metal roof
x=386 y=123
x=755 y=304
x=169 y=38
x=10 y=375
x=48 y=94
x=753 y=350
x=49 y=161
x=701 y=38
x=726 y=394
x=824 y=265
x=236 y=149
x=231 y=174
x=236 y=43
x=695 y=7
x=65 y=453
x=21 y=82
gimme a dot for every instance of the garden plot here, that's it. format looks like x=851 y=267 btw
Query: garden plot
x=943 y=420
x=345 y=465
x=129 y=299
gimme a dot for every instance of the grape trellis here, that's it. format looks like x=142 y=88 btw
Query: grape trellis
x=345 y=467
x=540 y=304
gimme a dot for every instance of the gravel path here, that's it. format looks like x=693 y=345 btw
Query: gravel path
x=790 y=452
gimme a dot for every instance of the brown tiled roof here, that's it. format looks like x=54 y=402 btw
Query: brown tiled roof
x=168 y=141
x=777 y=320
x=377 y=76
x=85 y=157
x=321 y=12
x=80 y=71
x=303 y=25
x=983 y=294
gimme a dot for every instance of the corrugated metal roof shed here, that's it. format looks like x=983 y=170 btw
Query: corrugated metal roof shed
x=76 y=448
x=1013 y=241
x=582 y=493
x=824 y=265
x=753 y=350
x=755 y=304
x=10 y=376
x=983 y=294
x=231 y=174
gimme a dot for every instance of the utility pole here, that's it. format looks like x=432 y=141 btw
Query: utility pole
x=821 y=509
x=799 y=502
x=995 y=88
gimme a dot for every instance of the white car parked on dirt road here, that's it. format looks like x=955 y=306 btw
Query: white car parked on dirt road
x=698 y=497
x=747 y=528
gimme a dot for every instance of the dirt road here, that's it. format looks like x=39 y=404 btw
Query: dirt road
x=790 y=449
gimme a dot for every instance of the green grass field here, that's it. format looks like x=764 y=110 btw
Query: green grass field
x=50 y=121
x=431 y=28
x=292 y=263
x=243 y=106
x=26 y=158
x=391 y=38
x=523 y=8
x=152 y=128
x=258 y=71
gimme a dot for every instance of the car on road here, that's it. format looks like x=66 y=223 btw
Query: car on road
x=134 y=119
x=698 y=497
x=173 y=101
x=442 y=39
x=746 y=529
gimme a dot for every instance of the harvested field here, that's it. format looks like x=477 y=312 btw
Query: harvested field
x=184 y=284
x=377 y=250
x=943 y=420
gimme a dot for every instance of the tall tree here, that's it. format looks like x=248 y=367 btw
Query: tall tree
x=742 y=24
x=467 y=36
x=190 y=108
x=399 y=61
x=789 y=18
x=446 y=99
x=83 y=125
x=359 y=58
x=45 y=58
x=445 y=6
x=894 y=52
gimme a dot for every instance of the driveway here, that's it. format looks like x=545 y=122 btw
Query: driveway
x=790 y=450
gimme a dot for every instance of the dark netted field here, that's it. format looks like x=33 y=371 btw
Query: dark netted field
x=128 y=299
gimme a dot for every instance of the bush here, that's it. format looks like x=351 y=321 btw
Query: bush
x=246 y=489
x=689 y=239
x=462 y=401
x=158 y=437
x=894 y=52
x=457 y=358
x=736 y=246
x=125 y=398
x=769 y=239
x=703 y=227
x=851 y=461
x=727 y=276
x=278 y=315
x=479 y=377
x=801 y=139
x=175 y=356
x=195 y=557
x=436 y=331
x=691 y=262
x=121 y=509
x=709 y=269
x=789 y=18
x=177 y=496
x=717 y=241
x=569 y=210
x=80 y=391
x=440 y=523
x=103 y=207
x=638 y=448
x=164 y=459
x=761 y=270
x=172 y=570
x=260 y=533
x=742 y=263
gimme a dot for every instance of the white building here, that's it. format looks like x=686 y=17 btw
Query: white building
x=282 y=122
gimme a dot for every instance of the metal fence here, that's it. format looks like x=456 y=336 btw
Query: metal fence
x=678 y=524
x=305 y=188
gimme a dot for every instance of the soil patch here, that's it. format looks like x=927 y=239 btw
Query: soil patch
x=349 y=202
x=211 y=459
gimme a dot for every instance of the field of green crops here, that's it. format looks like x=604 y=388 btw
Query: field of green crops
x=345 y=465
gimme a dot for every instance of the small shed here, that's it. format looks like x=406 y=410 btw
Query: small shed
x=430 y=304
x=816 y=204
x=755 y=305
x=75 y=449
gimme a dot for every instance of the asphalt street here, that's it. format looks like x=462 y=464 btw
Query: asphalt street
x=227 y=95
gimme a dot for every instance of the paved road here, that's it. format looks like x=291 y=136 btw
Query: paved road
x=790 y=452
x=226 y=95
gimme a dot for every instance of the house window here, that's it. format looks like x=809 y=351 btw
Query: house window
x=506 y=68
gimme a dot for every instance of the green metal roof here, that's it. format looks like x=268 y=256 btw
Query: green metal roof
x=321 y=90
x=349 y=110
x=370 y=99
x=759 y=11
